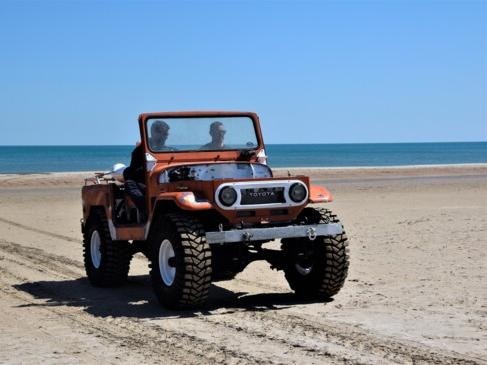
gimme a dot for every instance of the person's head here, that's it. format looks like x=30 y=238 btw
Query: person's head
x=217 y=132
x=159 y=132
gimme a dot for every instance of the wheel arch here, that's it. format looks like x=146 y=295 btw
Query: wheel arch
x=103 y=211
x=163 y=207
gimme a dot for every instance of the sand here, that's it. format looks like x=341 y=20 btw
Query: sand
x=416 y=291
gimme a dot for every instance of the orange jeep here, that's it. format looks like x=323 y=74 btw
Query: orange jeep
x=211 y=206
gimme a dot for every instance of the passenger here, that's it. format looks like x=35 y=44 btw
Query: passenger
x=217 y=133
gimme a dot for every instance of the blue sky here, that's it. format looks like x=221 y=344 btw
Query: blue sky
x=79 y=72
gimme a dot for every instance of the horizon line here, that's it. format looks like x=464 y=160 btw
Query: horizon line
x=266 y=144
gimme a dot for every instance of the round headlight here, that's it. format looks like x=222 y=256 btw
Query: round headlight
x=227 y=196
x=297 y=192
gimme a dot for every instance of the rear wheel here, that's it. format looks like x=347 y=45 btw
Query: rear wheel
x=180 y=262
x=316 y=268
x=106 y=262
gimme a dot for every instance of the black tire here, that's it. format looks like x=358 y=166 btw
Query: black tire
x=185 y=277
x=316 y=268
x=111 y=265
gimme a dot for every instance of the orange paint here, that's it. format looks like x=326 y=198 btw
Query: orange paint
x=320 y=194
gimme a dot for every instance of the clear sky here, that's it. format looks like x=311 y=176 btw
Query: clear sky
x=79 y=72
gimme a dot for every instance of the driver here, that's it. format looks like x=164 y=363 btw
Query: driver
x=134 y=175
x=159 y=131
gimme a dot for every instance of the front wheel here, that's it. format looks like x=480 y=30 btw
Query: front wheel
x=316 y=268
x=180 y=262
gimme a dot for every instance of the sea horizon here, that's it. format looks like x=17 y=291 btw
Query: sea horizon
x=25 y=159
x=267 y=144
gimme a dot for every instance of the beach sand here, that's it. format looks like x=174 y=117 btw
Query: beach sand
x=416 y=291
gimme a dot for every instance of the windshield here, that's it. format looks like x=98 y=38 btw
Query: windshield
x=200 y=134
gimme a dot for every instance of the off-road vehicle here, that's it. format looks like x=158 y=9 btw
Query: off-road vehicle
x=210 y=212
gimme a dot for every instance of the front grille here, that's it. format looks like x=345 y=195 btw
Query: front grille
x=262 y=196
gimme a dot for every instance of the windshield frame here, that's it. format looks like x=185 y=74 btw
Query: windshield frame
x=145 y=118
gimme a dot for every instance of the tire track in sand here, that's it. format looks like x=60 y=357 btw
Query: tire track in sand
x=345 y=342
x=55 y=263
x=153 y=342
x=307 y=341
x=192 y=342
x=204 y=331
x=41 y=231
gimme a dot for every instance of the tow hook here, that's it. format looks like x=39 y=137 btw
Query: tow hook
x=247 y=236
x=311 y=232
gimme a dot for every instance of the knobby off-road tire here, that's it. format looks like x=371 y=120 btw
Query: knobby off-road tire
x=180 y=262
x=316 y=268
x=106 y=262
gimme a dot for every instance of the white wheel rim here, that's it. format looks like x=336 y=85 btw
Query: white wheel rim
x=303 y=270
x=95 y=244
x=168 y=273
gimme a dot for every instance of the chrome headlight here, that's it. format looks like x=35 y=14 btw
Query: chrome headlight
x=227 y=196
x=297 y=192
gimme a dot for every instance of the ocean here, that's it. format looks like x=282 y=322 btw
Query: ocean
x=44 y=159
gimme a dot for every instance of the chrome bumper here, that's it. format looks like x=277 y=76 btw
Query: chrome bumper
x=261 y=234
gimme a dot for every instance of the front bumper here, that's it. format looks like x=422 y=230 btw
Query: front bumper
x=262 y=234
